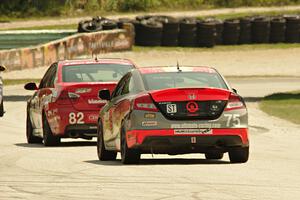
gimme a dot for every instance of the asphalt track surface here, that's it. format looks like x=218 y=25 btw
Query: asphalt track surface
x=72 y=171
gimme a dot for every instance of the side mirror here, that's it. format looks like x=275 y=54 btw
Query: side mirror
x=2 y=68
x=234 y=90
x=30 y=86
x=104 y=94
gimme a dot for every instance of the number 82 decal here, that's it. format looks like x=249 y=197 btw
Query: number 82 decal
x=233 y=119
x=76 y=118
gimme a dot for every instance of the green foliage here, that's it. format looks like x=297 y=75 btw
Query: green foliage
x=25 y=8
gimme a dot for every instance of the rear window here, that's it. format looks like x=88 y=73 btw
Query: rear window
x=166 y=80
x=94 y=72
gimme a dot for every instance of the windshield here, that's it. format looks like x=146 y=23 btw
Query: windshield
x=157 y=81
x=94 y=72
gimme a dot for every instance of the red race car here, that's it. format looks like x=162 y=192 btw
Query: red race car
x=172 y=110
x=66 y=103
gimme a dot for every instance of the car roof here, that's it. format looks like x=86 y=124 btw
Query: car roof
x=161 y=69
x=120 y=61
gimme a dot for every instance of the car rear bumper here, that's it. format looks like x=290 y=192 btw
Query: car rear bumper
x=166 y=141
x=81 y=131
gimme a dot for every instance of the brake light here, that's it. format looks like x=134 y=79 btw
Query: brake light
x=234 y=102
x=65 y=97
x=144 y=102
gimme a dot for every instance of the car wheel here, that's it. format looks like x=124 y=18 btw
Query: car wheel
x=1 y=109
x=48 y=137
x=239 y=155
x=214 y=155
x=128 y=156
x=103 y=154
x=31 y=139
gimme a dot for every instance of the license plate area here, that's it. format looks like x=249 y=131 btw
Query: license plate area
x=203 y=131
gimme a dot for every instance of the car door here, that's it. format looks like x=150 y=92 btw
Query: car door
x=42 y=97
x=108 y=121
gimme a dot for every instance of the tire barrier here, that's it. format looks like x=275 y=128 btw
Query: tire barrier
x=245 y=30
x=188 y=32
x=149 y=33
x=206 y=33
x=261 y=30
x=170 y=31
x=231 y=32
x=160 y=30
x=277 y=32
x=97 y=24
x=292 y=33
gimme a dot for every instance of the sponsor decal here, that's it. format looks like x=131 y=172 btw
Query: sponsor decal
x=193 y=140
x=96 y=101
x=205 y=131
x=192 y=96
x=149 y=123
x=93 y=117
x=192 y=107
x=189 y=125
x=149 y=115
x=171 y=108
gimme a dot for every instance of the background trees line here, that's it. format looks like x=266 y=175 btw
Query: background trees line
x=23 y=8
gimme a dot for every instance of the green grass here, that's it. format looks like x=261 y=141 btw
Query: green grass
x=244 y=14
x=219 y=48
x=283 y=105
x=49 y=27
x=19 y=81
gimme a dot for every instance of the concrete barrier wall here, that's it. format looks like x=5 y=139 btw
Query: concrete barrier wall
x=88 y=44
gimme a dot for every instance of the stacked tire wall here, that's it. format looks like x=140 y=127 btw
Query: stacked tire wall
x=191 y=32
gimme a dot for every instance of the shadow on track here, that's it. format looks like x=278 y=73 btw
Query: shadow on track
x=163 y=161
x=61 y=145
x=15 y=98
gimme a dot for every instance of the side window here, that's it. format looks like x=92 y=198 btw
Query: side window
x=119 y=87
x=48 y=77
x=126 y=88
x=53 y=75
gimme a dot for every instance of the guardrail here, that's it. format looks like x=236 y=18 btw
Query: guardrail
x=69 y=48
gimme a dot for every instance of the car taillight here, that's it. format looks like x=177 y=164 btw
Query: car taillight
x=234 y=102
x=144 y=102
x=65 y=97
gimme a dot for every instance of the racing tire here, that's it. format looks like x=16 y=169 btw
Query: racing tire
x=214 y=155
x=128 y=156
x=103 y=154
x=239 y=155
x=48 y=138
x=31 y=139
x=1 y=109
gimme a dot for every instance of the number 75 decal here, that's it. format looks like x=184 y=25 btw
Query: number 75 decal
x=233 y=119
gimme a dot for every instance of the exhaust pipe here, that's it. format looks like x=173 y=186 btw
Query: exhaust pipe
x=73 y=135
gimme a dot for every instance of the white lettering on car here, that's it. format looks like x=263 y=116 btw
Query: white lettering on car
x=233 y=119
x=76 y=118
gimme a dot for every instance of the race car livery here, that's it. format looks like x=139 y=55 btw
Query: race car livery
x=2 y=68
x=66 y=103
x=173 y=110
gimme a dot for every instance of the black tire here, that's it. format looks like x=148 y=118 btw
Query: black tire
x=149 y=33
x=128 y=156
x=245 y=30
x=187 y=33
x=239 y=155
x=231 y=32
x=31 y=139
x=1 y=109
x=214 y=155
x=206 y=34
x=261 y=30
x=103 y=154
x=278 y=27
x=48 y=138
x=292 y=29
